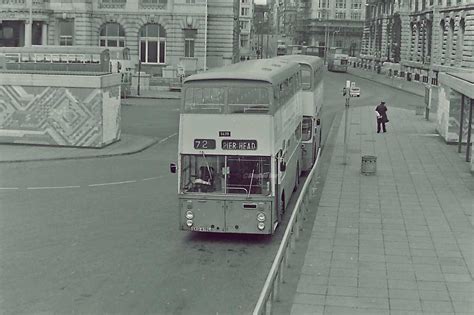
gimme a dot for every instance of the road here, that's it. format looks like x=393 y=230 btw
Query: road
x=97 y=236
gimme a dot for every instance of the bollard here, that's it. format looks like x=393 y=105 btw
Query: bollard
x=368 y=165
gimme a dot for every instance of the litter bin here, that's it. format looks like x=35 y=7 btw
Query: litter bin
x=369 y=165
x=420 y=109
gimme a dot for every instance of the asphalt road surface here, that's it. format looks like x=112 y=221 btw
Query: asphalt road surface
x=95 y=236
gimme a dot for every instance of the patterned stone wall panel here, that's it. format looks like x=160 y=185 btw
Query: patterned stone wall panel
x=54 y=116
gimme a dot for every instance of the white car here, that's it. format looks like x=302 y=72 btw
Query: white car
x=354 y=91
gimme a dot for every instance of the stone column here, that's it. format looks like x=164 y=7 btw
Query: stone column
x=28 y=28
x=44 y=34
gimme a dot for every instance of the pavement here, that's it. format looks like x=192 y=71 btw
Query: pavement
x=412 y=87
x=396 y=242
x=128 y=144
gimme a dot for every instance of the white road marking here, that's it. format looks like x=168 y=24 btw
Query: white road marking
x=52 y=187
x=167 y=138
x=113 y=183
x=9 y=188
x=152 y=178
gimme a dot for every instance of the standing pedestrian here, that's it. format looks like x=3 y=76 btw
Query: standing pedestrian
x=381 y=111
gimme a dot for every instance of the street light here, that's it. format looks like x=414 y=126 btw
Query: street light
x=333 y=33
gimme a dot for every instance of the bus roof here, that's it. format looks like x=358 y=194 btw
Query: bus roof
x=267 y=70
x=45 y=49
x=312 y=61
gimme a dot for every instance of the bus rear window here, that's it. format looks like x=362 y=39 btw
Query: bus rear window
x=204 y=100
x=248 y=100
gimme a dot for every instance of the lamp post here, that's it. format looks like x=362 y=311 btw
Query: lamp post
x=333 y=33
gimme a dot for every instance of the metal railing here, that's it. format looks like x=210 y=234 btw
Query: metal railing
x=271 y=288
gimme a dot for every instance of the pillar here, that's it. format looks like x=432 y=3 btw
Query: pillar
x=44 y=34
x=28 y=28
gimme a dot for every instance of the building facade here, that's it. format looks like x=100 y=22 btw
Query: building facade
x=331 y=23
x=246 y=29
x=159 y=33
x=424 y=37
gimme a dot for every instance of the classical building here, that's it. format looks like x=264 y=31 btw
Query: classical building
x=328 y=23
x=246 y=29
x=424 y=37
x=159 y=33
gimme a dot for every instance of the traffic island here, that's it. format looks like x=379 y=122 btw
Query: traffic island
x=76 y=109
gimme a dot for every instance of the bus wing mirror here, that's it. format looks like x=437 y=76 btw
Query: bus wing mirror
x=173 y=168
x=318 y=122
x=282 y=166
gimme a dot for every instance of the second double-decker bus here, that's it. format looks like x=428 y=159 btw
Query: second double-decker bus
x=312 y=97
x=239 y=146
x=57 y=58
x=337 y=60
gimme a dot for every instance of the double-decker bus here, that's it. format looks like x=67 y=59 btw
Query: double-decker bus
x=239 y=146
x=56 y=58
x=337 y=60
x=312 y=97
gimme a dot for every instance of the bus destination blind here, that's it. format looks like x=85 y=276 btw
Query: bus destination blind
x=249 y=145
x=204 y=144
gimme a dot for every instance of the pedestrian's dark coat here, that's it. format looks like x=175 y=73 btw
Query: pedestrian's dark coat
x=382 y=110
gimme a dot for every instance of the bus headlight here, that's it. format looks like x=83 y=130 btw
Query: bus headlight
x=189 y=215
x=189 y=223
x=261 y=226
x=261 y=217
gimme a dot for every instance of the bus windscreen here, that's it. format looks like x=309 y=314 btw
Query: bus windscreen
x=225 y=174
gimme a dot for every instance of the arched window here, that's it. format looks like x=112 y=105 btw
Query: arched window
x=460 y=39
x=112 y=35
x=444 y=47
x=153 y=44
x=450 y=42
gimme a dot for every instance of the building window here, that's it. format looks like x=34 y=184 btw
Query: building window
x=155 y=2
x=356 y=15
x=322 y=15
x=244 y=25
x=244 y=41
x=356 y=4
x=189 y=41
x=66 y=32
x=190 y=1
x=341 y=4
x=153 y=44
x=340 y=15
x=244 y=11
x=112 y=35
x=323 y=4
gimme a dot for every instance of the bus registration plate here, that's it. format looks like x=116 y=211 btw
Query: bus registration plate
x=201 y=229
x=249 y=145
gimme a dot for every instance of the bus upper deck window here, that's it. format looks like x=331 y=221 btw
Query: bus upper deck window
x=248 y=100
x=204 y=100
x=306 y=79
